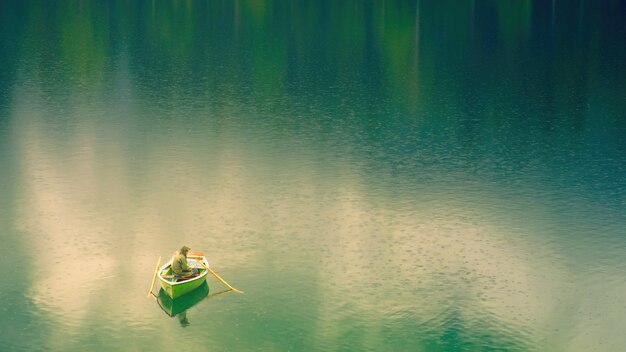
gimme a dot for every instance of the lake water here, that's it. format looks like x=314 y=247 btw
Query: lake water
x=375 y=175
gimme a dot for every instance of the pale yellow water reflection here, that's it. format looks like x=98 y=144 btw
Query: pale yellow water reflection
x=97 y=214
x=384 y=175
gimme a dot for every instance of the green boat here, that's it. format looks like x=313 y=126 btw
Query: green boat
x=174 y=287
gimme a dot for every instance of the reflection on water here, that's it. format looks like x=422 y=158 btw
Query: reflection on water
x=429 y=175
x=177 y=308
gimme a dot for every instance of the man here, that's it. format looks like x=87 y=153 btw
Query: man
x=179 y=264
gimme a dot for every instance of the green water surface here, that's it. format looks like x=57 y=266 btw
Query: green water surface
x=376 y=175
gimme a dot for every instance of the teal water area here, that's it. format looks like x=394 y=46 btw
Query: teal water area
x=375 y=175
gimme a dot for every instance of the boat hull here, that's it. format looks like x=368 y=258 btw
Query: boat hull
x=177 y=289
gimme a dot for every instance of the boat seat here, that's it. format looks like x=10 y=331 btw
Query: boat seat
x=175 y=278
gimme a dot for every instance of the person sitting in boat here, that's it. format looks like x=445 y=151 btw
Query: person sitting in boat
x=180 y=269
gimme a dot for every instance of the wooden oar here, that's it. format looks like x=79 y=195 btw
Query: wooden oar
x=199 y=255
x=219 y=278
x=154 y=276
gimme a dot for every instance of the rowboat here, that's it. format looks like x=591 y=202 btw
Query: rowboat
x=175 y=288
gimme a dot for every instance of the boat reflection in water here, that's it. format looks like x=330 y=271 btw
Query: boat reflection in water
x=177 y=307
